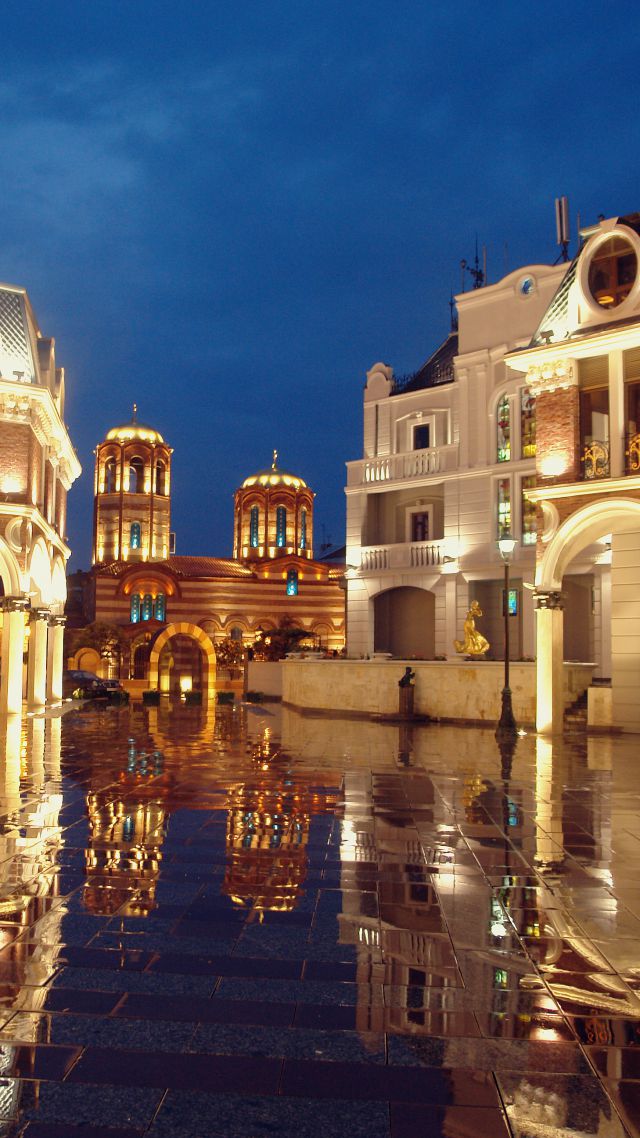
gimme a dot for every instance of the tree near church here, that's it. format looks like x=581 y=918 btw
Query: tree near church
x=106 y=639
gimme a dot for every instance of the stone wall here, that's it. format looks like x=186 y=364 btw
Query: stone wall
x=456 y=689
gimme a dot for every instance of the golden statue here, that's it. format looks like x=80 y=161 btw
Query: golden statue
x=474 y=643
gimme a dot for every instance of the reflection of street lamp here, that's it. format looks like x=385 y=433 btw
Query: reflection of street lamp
x=507 y=724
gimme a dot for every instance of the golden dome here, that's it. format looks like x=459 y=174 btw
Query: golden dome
x=133 y=430
x=273 y=476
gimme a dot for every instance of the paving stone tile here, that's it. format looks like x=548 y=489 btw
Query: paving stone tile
x=245 y=1116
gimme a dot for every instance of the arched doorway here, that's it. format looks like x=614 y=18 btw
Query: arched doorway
x=180 y=653
x=404 y=623
x=617 y=519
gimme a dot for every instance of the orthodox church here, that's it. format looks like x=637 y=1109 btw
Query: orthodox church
x=172 y=610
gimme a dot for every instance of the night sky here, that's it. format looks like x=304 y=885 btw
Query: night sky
x=227 y=212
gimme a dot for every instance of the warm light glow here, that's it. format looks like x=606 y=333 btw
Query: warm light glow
x=506 y=545
x=554 y=465
x=186 y=683
x=10 y=484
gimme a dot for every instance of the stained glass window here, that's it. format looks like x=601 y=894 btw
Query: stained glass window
x=147 y=607
x=254 y=518
x=504 y=507
x=160 y=607
x=135 y=608
x=504 y=429
x=527 y=423
x=529 y=527
x=292 y=583
x=134 y=539
x=281 y=526
x=303 y=529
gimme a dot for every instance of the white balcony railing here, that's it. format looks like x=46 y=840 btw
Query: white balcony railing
x=406 y=466
x=404 y=555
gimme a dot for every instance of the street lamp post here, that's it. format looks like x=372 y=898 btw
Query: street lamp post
x=507 y=724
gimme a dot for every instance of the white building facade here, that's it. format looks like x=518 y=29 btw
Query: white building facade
x=469 y=449
x=37 y=467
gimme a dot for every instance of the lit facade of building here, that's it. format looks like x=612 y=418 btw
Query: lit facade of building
x=173 y=609
x=37 y=468
x=525 y=422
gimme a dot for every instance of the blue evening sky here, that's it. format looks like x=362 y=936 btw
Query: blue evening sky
x=227 y=212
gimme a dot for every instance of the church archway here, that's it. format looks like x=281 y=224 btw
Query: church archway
x=404 y=623
x=200 y=638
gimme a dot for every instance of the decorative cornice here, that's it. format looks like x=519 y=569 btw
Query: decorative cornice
x=548 y=600
x=34 y=405
x=595 y=487
x=552 y=375
x=14 y=604
x=53 y=620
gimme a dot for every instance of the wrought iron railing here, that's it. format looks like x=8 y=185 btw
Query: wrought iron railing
x=595 y=460
x=632 y=453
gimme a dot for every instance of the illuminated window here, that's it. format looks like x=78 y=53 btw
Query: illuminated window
x=135 y=608
x=504 y=429
x=527 y=423
x=160 y=607
x=292 y=583
x=135 y=535
x=254 y=518
x=136 y=476
x=504 y=507
x=281 y=527
x=303 y=529
x=612 y=272
x=147 y=607
x=529 y=528
x=110 y=476
x=160 y=478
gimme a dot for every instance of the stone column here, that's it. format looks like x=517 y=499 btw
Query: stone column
x=549 y=669
x=55 y=658
x=13 y=610
x=617 y=425
x=37 y=659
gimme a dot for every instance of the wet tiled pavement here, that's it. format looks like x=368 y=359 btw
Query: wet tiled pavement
x=247 y=922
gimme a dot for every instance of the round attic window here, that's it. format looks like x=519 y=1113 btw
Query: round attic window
x=612 y=272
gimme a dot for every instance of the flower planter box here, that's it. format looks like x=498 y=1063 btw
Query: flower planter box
x=226 y=697
x=151 y=698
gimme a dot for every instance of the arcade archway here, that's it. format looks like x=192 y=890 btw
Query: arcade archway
x=192 y=661
x=404 y=622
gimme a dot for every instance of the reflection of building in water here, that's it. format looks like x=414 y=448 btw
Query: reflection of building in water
x=268 y=827
x=124 y=850
x=31 y=911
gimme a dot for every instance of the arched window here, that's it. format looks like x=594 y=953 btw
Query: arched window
x=529 y=524
x=160 y=607
x=527 y=423
x=303 y=529
x=292 y=583
x=140 y=661
x=135 y=608
x=236 y=633
x=110 y=476
x=504 y=429
x=160 y=478
x=135 y=536
x=281 y=527
x=147 y=607
x=136 y=476
x=254 y=519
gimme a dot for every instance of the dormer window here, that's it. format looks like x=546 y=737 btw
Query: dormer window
x=612 y=272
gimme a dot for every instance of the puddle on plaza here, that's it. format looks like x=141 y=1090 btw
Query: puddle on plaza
x=483 y=899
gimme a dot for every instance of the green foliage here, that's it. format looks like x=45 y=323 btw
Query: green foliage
x=276 y=643
x=229 y=653
x=107 y=640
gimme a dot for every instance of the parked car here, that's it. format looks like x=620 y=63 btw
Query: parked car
x=86 y=685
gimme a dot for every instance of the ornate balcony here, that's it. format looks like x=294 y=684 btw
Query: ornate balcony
x=404 y=555
x=407 y=466
x=595 y=460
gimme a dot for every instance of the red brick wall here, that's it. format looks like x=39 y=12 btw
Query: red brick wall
x=558 y=436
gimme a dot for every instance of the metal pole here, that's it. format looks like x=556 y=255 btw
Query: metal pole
x=507 y=726
x=505 y=607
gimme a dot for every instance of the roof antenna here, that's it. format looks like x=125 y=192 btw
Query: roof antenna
x=476 y=272
x=453 y=313
x=562 y=227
